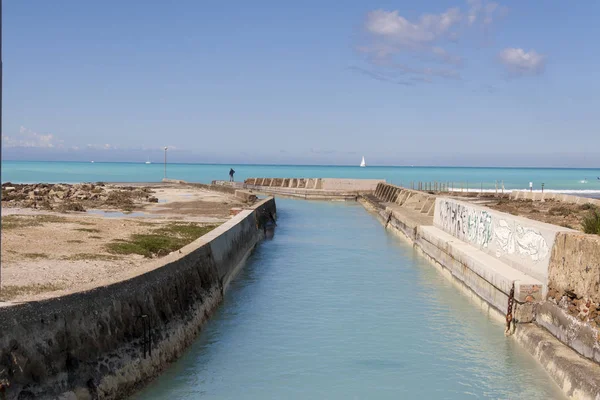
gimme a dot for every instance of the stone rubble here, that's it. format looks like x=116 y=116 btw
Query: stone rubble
x=77 y=197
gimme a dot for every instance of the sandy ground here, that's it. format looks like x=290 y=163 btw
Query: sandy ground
x=46 y=254
x=551 y=212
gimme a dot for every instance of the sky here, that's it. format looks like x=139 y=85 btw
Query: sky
x=469 y=83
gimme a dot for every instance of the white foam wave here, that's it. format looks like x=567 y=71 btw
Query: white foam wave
x=566 y=191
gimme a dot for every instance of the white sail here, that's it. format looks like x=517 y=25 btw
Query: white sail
x=362 y=163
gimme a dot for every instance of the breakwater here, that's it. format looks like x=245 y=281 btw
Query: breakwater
x=500 y=259
x=109 y=341
x=307 y=188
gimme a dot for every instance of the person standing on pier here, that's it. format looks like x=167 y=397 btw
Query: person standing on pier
x=231 y=172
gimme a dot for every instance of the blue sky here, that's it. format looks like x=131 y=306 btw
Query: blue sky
x=402 y=82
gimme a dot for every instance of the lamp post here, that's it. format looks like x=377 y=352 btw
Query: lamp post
x=166 y=162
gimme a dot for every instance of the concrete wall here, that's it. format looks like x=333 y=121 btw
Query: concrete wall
x=351 y=185
x=406 y=198
x=522 y=243
x=309 y=184
x=539 y=196
x=245 y=196
x=575 y=265
x=91 y=344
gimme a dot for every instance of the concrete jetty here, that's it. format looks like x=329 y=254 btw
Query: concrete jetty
x=494 y=257
x=307 y=188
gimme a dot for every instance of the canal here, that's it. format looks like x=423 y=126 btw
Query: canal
x=334 y=307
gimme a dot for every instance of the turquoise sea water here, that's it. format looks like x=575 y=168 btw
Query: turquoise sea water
x=514 y=178
x=334 y=307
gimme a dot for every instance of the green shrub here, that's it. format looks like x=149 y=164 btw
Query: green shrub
x=587 y=206
x=160 y=242
x=591 y=222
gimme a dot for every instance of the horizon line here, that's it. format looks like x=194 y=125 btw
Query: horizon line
x=304 y=165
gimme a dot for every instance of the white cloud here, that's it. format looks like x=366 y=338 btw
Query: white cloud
x=484 y=12
x=101 y=147
x=393 y=36
x=28 y=138
x=395 y=42
x=401 y=32
x=519 y=62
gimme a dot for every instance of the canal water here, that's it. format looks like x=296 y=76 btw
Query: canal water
x=334 y=307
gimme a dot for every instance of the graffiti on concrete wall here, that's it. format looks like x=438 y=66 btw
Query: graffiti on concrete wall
x=525 y=242
x=480 y=228
x=467 y=223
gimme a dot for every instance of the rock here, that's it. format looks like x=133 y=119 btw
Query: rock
x=9 y=189
x=235 y=211
x=570 y=294
x=554 y=295
x=152 y=199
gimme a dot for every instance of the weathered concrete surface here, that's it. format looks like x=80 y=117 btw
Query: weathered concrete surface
x=577 y=334
x=313 y=188
x=487 y=276
x=575 y=265
x=90 y=344
x=577 y=377
x=522 y=243
x=405 y=198
x=167 y=180
x=350 y=185
x=246 y=196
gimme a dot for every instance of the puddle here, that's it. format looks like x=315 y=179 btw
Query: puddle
x=162 y=200
x=116 y=214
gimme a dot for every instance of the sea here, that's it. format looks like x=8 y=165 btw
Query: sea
x=568 y=180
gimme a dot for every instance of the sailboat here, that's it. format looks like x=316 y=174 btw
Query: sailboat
x=362 y=163
x=148 y=162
